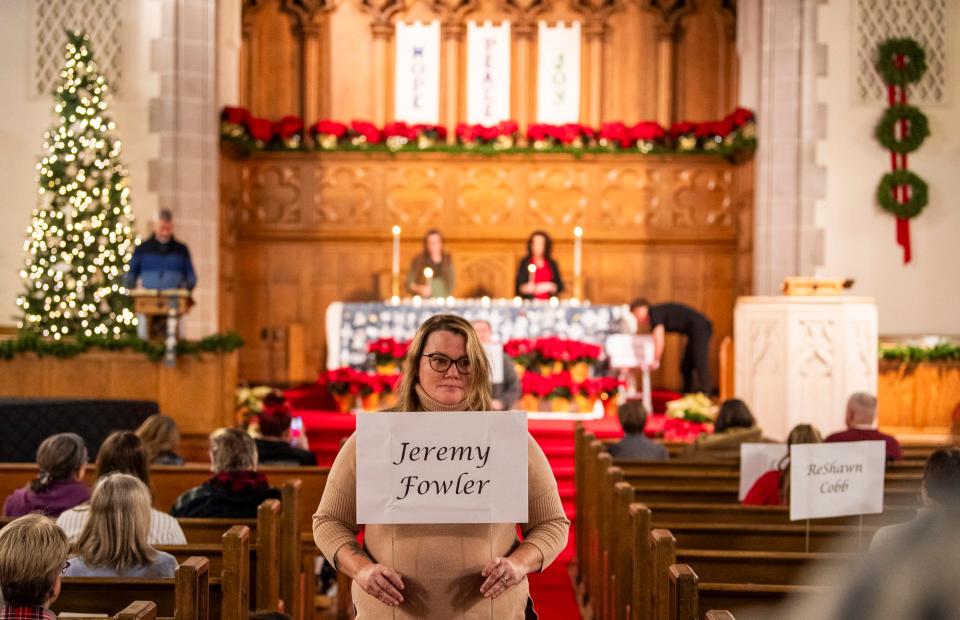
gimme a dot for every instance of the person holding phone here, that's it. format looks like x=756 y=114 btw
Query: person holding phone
x=275 y=446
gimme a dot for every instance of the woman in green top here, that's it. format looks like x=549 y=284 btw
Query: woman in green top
x=438 y=281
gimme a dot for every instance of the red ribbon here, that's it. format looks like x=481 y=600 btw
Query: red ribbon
x=900 y=192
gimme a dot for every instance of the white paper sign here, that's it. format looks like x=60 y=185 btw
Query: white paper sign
x=757 y=459
x=420 y=467
x=417 y=72
x=836 y=479
x=495 y=359
x=629 y=351
x=558 y=73
x=488 y=73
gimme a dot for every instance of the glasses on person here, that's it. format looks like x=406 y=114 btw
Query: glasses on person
x=64 y=568
x=441 y=363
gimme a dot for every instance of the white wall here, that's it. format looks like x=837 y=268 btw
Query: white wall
x=24 y=117
x=922 y=297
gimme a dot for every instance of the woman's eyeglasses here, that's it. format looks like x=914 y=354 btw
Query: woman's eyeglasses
x=64 y=568
x=441 y=363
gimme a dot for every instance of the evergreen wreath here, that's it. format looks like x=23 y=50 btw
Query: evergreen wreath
x=918 y=193
x=914 y=62
x=917 y=129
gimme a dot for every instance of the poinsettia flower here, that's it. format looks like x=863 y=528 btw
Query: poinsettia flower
x=288 y=126
x=713 y=128
x=398 y=129
x=507 y=128
x=616 y=133
x=260 y=128
x=235 y=115
x=329 y=128
x=366 y=129
x=740 y=117
x=648 y=131
x=682 y=128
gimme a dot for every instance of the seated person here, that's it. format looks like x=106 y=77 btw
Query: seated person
x=33 y=556
x=113 y=542
x=862 y=425
x=123 y=452
x=161 y=437
x=236 y=490
x=773 y=487
x=940 y=489
x=62 y=461
x=735 y=425
x=635 y=445
x=507 y=392
x=273 y=445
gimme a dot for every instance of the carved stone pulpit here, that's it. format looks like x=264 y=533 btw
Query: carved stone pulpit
x=798 y=359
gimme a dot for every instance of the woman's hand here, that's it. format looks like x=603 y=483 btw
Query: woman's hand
x=528 y=288
x=380 y=582
x=501 y=573
x=546 y=287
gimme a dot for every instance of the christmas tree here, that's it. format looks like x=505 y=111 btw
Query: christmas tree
x=81 y=238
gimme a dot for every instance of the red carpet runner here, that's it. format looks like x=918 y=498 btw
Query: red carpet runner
x=551 y=590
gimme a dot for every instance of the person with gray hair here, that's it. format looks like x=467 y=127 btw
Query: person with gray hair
x=862 y=425
x=236 y=488
x=160 y=263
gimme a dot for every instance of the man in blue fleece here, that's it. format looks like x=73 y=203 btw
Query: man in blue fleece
x=161 y=262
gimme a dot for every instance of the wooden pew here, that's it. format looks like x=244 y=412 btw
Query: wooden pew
x=185 y=597
x=682 y=593
x=763 y=537
x=680 y=512
x=767 y=567
x=718 y=614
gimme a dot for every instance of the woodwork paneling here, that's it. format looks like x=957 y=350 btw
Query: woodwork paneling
x=640 y=59
x=665 y=227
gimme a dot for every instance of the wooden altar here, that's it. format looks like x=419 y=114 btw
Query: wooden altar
x=302 y=230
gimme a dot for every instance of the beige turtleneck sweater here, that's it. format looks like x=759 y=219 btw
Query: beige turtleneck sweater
x=440 y=564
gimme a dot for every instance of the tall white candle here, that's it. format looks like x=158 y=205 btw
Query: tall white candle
x=428 y=276
x=396 y=251
x=577 y=252
x=532 y=270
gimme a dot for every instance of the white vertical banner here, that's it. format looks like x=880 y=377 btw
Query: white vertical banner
x=416 y=92
x=558 y=73
x=488 y=73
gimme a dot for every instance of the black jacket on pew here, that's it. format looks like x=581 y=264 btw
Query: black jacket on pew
x=229 y=494
x=279 y=452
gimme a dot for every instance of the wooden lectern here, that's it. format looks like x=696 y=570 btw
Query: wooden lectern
x=162 y=309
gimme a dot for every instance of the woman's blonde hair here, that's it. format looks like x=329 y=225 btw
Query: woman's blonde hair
x=478 y=381
x=116 y=532
x=32 y=552
x=159 y=434
x=801 y=433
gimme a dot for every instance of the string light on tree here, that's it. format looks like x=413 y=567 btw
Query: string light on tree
x=81 y=238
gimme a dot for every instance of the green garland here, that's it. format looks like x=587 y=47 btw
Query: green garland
x=30 y=343
x=943 y=352
x=914 y=65
x=917 y=132
x=918 y=194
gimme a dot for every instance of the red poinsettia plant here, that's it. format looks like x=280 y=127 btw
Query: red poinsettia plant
x=364 y=133
x=555 y=349
x=503 y=135
x=328 y=134
x=233 y=122
x=562 y=385
x=342 y=381
x=591 y=388
x=521 y=350
x=388 y=350
x=648 y=135
x=614 y=135
x=287 y=132
x=608 y=386
x=574 y=135
x=536 y=384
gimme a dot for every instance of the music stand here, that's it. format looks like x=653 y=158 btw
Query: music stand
x=628 y=352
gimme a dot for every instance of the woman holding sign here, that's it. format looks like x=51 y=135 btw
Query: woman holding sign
x=466 y=570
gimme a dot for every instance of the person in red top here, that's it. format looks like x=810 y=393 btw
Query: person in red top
x=773 y=487
x=33 y=556
x=862 y=425
x=538 y=276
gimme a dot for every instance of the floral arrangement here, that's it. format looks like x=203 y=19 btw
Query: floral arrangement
x=729 y=136
x=692 y=408
x=388 y=351
x=522 y=350
x=571 y=135
x=562 y=350
x=674 y=430
x=560 y=389
x=501 y=136
x=348 y=385
x=248 y=403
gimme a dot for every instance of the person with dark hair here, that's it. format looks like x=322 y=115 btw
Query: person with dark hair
x=773 y=487
x=236 y=489
x=123 y=452
x=62 y=460
x=734 y=425
x=161 y=437
x=940 y=489
x=538 y=276
x=635 y=445
x=273 y=445
x=679 y=319
x=33 y=556
x=439 y=280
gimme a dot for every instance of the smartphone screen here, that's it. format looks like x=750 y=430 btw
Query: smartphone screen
x=296 y=429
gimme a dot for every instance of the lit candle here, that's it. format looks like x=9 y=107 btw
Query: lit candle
x=577 y=252
x=428 y=276
x=532 y=270
x=396 y=262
